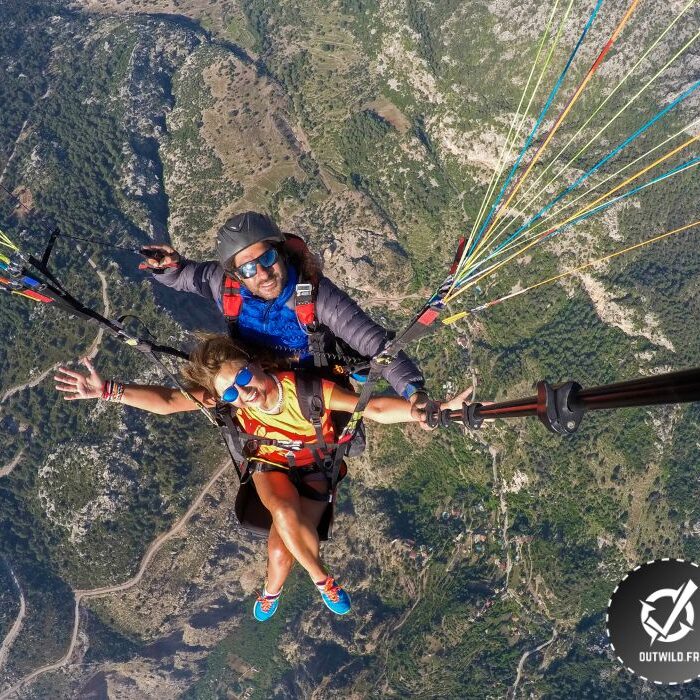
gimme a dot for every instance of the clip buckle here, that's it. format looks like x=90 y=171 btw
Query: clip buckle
x=304 y=292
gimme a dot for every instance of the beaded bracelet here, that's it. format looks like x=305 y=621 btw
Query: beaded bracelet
x=112 y=391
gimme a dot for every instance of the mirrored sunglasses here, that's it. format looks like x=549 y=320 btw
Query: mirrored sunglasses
x=250 y=269
x=242 y=378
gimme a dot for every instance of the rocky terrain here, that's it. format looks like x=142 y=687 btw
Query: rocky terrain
x=480 y=565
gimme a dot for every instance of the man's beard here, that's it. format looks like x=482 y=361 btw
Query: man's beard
x=271 y=292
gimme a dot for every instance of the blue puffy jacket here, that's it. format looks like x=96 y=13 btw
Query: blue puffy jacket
x=273 y=323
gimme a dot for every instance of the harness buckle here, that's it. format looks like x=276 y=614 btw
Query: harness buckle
x=304 y=306
x=14 y=266
x=304 y=292
x=290 y=445
x=383 y=359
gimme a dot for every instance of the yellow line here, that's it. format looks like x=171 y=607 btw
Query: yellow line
x=586 y=208
x=508 y=147
x=533 y=231
x=518 y=205
x=540 y=237
x=592 y=263
x=467 y=258
x=553 y=131
x=4 y=240
x=453 y=319
x=504 y=223
x=641 y=172
x=22 y=294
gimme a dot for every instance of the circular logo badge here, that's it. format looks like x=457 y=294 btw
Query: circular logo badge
x=651 y=621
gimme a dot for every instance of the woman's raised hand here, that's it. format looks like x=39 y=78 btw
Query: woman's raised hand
x=77 y=385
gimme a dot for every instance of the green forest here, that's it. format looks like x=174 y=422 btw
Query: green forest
x=457 y=570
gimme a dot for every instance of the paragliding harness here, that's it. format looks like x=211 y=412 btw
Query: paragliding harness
x=328 y=460
x=343 y=364
x=15 y=278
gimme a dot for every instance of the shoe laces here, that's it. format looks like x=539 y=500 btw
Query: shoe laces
x=331 y=589
x=266 y=603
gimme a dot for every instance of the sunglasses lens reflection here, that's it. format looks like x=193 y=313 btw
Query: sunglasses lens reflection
x=230 y=395
x=266 y=260
x=244 y=377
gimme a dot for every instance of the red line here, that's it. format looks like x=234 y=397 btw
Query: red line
x=38 y=297
x=563 y=112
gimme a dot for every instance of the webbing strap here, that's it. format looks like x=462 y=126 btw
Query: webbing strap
x=71 y=305
x=316 y=405
x=421 y=325
x=375 y=372
x=316 y=346
x=305 y=305
x=232 y=439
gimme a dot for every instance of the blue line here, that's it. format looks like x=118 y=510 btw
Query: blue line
x=541 y=117
x=688 y=164
x=26 y=280
x=599 y=165
x=605 y=205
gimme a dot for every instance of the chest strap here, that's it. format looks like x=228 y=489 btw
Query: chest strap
x=305 y=310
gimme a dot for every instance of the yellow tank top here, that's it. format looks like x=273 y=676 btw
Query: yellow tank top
x=289 y=424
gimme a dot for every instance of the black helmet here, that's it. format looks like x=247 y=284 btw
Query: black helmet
x=242 y=231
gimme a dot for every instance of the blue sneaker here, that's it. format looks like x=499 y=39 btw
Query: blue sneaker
x=265 y=607
x=335 y=598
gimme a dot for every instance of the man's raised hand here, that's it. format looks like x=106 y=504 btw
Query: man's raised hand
x=159 y=257
x=422 y=406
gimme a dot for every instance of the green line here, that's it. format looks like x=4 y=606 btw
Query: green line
x=548 y=60
x=517 y=206
x=508 y=147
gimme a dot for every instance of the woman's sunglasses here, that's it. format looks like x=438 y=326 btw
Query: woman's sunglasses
x=242 y=378
x=250 y=269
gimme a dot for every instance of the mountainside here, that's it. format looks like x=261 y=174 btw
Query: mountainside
x=480 y=564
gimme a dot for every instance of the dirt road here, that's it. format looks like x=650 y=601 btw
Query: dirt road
x=17 y=627
x=81 y=595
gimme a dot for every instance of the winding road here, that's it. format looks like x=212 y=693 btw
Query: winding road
x=92 y=351
x=28 y=384
x=9 y=467
x=81 y=595
x=8 y=162
x=523 y=659
x=17 y=627
x=154 y=547
x=106 y=307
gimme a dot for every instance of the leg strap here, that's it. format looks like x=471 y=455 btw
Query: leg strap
x=295 y=475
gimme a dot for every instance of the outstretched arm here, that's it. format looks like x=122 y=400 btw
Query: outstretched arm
x=386 y=409
x=155 y=399
x=184 y=275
